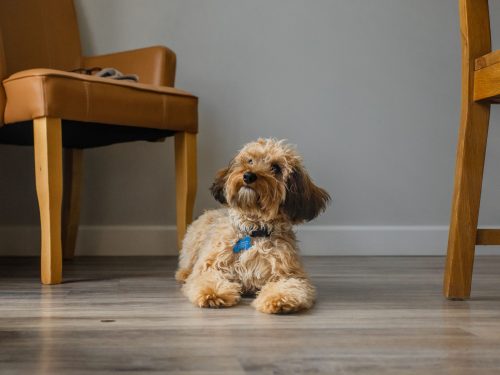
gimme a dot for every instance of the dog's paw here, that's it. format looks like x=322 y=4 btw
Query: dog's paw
x=276 y=304
x=285 y=296
x=210 y=297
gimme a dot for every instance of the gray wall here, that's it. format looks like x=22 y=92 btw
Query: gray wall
x=369 y=90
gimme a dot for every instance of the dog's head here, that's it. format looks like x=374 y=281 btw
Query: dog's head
x=266 y=179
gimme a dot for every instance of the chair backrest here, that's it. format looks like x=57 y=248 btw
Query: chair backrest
x=37 y=34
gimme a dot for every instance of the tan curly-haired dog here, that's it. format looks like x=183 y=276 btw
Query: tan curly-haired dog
x=249 y=246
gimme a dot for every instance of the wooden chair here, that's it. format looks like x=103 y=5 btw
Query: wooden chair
x=47 y=105
x=480 y=88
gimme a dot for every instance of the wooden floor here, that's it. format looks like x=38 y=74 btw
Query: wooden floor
x=381 y=315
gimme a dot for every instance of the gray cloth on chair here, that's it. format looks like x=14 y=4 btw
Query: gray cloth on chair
x=116 y=74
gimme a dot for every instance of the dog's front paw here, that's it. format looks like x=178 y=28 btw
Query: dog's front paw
x=285 y=296
x=211 y=297
x=276 y=304
x=210 y=289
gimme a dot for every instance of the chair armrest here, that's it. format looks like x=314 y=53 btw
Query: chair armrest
x=154 y=65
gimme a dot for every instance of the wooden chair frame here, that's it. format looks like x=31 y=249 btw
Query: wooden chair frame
x=49 y=185
x=480 y=88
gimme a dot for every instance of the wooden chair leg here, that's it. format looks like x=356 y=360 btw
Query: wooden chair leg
x=471 y=152
x=48 y=173
x=185 y=181
x=72 y=175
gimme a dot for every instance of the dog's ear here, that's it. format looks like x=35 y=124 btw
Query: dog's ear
x=304 y=200
x=218 y=187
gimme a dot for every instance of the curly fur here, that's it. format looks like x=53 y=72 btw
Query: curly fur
x=282 y=195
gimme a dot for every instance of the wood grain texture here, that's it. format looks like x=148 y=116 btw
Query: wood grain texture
x=471 y=150
x=72 y=185
x=48 y=173
x=185 y=181
x=382 y=315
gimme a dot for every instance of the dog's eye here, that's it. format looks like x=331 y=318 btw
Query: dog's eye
x=276 y=169
x=250 y=161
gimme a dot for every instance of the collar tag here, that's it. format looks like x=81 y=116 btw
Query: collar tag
x=244 y=243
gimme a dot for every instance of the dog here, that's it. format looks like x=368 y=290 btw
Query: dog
x=249 y=246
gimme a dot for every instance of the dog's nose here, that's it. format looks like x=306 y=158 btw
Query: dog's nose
x=249 y=177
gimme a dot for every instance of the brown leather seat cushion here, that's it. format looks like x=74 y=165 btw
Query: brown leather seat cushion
x=53 y=93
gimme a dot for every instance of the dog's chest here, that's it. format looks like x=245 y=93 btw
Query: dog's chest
x=252 y=266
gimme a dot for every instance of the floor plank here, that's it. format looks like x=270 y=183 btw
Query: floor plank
x=375 y=315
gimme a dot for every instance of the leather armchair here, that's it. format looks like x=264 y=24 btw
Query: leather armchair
x=47 y=105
